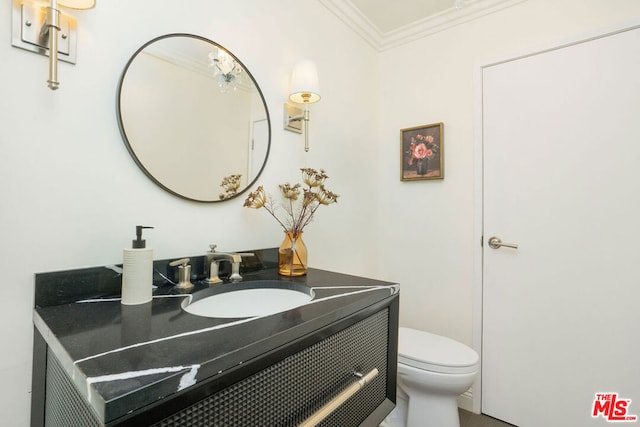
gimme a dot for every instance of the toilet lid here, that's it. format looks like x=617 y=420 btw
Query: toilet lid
x=435 y=353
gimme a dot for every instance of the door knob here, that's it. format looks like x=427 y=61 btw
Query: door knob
x=495 y=243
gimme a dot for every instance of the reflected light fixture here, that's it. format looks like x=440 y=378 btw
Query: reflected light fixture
x=304 y=89
x=226 y=69
x=46 y=31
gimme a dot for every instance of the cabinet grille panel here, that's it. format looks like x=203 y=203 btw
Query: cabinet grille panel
x=64 y=406
x=288 y=392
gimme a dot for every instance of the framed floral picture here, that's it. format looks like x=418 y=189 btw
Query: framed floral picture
x=421 y=154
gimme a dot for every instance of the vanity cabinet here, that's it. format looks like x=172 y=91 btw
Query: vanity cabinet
x=98 y=363
x=291 y=390
x=283 y=393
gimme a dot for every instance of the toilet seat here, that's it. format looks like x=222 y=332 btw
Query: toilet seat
x=435 y=353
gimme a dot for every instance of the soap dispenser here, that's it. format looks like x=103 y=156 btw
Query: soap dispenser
x=137 y=271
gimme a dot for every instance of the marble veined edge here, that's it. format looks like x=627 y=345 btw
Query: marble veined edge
x=67 y=363
x=85 y=386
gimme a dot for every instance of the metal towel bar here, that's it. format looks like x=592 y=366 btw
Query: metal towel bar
x=337 y=401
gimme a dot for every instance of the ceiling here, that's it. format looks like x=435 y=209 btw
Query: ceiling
x=385 y=24
x=390 y=15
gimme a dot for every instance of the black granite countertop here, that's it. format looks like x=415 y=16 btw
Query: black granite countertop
x=122 y=358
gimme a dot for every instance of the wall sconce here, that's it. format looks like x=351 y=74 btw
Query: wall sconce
x=305 y=89
x=44 y=30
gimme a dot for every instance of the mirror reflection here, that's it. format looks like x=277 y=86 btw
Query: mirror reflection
x=193 y=118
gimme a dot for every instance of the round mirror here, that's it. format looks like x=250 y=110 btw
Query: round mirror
x=193 y=118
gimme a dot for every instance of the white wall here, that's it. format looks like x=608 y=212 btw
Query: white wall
x=427 y=227
x=71 y=194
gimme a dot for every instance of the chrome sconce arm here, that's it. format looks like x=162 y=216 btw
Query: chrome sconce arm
x=50 y=30
x=46 y=31
x=295 y=118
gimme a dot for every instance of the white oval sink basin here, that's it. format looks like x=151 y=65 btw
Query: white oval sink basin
x=250 y=302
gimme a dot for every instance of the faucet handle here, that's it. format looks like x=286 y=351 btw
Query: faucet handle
x=212 y=247
x=181 y=261
x=184 y=273
x=213 y=273
x=235 y=270
x=235 y=266
x=237 y=256
x=246 y=254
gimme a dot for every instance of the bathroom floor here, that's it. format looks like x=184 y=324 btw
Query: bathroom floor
x=469 y=419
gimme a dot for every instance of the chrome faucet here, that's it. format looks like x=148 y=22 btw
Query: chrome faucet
x=213 y=263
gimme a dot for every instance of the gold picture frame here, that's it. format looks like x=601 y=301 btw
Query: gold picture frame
x=421 y=152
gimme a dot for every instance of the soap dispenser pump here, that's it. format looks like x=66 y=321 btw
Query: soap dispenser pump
x=137 y=271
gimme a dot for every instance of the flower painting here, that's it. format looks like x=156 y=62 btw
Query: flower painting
x=421 y=153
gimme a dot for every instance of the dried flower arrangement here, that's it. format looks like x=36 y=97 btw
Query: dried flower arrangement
x=230 y=184
x=299 y=203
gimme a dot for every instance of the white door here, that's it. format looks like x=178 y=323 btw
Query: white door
x=258 y=146
x=561 y=179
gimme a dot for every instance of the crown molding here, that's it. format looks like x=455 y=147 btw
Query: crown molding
x=195 y=62
x=353 y=17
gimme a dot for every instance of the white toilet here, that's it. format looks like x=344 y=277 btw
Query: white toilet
x=432 y=372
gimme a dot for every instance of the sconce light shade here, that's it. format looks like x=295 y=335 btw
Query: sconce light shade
x=78 y=4
x=305 y=87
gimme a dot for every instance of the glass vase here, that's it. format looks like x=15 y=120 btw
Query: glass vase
x=292 y=255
